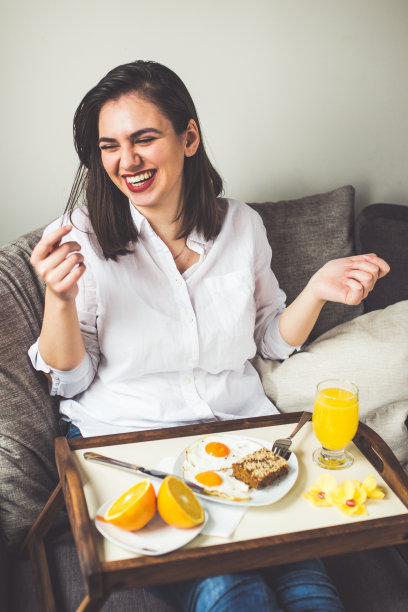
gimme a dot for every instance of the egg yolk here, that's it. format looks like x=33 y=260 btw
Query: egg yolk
x=210 y=479
x=217 y=449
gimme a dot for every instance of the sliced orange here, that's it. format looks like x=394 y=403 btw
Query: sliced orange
x=134 y=508
x=177 y=504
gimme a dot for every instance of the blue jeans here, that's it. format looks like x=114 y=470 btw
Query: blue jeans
x=73 y=431
x=297 y=587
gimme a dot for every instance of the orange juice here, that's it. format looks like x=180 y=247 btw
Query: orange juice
x=335 y=417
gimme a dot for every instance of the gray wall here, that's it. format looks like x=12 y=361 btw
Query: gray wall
x=295 y=96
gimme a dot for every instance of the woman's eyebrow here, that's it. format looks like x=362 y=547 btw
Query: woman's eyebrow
x=134 y=135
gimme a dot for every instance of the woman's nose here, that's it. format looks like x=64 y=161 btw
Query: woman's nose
x=130 y=159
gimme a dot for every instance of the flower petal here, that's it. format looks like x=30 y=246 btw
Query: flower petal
x=314 y=498
x=361 y=509
x=326 y=482
x=348 y=489
x=369 y=483
x=360 y=495
x=371 y=488
x=377 y=493
x=336 y=497
x=349 y=510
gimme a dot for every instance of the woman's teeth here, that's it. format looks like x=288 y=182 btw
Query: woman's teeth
x=140 y=178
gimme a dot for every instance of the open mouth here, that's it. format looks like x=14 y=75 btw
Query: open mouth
x=140 y=181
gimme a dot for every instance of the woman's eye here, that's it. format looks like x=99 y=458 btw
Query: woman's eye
x=107 y=147
x=144 y=140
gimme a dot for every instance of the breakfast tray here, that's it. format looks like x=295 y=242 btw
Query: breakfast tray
x=286 y=531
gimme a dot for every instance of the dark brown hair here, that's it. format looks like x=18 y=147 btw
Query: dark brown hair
x=108 y=207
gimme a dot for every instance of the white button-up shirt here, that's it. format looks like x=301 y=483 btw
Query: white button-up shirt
x=164 y=348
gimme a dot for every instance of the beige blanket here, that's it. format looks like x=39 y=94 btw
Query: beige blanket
x=371 y=351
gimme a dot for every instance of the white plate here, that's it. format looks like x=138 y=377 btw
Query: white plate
x=156 y=538
x=258 y=497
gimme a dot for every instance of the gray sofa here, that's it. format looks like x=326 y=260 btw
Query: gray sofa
x=304 y=234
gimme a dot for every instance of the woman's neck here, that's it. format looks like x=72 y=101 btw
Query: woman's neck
x=165 y=224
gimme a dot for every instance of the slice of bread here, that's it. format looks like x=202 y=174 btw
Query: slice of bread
x=260 y=469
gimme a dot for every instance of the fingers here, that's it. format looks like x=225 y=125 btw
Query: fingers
x=58 y=256
x=49 y=253
x=356 y=293
x=364 y=271
x=381 y=263
x=59 y=265
x=367 y=279
x=55 y=274
x=47 y=244
x=371 y=258
x=365 y=265
x=65 y=285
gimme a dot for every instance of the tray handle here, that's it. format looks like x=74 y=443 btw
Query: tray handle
x=383 y=459
x=81 y=525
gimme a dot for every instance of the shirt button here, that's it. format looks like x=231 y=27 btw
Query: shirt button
x=190 y=320
x=187 y=380
x=179 y=282
x=191 y=360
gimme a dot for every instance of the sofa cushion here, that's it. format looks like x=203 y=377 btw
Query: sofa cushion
x=383 y=229
x=28 y=416
x=304 y=235
x=371 y=351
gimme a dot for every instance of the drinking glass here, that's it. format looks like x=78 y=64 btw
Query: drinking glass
x=335 y=422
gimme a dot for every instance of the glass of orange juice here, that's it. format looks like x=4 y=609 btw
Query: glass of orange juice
x=335 y=422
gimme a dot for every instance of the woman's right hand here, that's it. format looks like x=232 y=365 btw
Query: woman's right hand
x=59 y=265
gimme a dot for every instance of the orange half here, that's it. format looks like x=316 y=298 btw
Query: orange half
x=134 y=508
x=177 y=504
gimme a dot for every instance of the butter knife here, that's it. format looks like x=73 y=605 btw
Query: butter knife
x=124 y=465
x=139 y=468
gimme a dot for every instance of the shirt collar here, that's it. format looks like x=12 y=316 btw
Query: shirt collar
x=137 y=217
x=141 y=222
x=196 y=236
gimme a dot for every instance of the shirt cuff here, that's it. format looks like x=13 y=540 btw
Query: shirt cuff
x=61 y=379
x=274 y=342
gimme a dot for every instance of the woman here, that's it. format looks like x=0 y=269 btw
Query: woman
x=158 y=293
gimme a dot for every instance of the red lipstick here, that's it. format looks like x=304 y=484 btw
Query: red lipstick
x=137 y=188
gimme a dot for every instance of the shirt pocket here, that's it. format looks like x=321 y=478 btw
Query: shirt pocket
x=232 y=301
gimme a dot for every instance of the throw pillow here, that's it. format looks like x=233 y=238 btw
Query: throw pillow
x=383 y=229
x=372 y=352
x=306 y=233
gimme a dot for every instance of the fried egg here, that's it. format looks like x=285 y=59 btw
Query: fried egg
x=208 y=462
x=215 y=452
x=221 y=483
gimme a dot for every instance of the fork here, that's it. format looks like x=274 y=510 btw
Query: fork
x=281 y=446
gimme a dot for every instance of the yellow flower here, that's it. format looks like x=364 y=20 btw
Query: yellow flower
x=349 y=498
x=371 y=488
x=319 y=492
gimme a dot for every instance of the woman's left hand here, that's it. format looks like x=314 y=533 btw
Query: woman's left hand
x=348 y=280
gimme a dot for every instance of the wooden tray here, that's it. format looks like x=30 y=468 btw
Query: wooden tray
x=320 y=537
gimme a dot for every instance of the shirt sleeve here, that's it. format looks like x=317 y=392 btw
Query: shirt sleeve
x=270 y=301
x=68 y=383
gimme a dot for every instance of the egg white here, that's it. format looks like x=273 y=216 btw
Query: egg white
x=230 y=486
x=239 y=447
x=197 y=460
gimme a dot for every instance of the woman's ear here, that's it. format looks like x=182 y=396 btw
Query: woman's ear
x=192 y=139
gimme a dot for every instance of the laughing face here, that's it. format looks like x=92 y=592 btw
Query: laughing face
x=142 y=154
